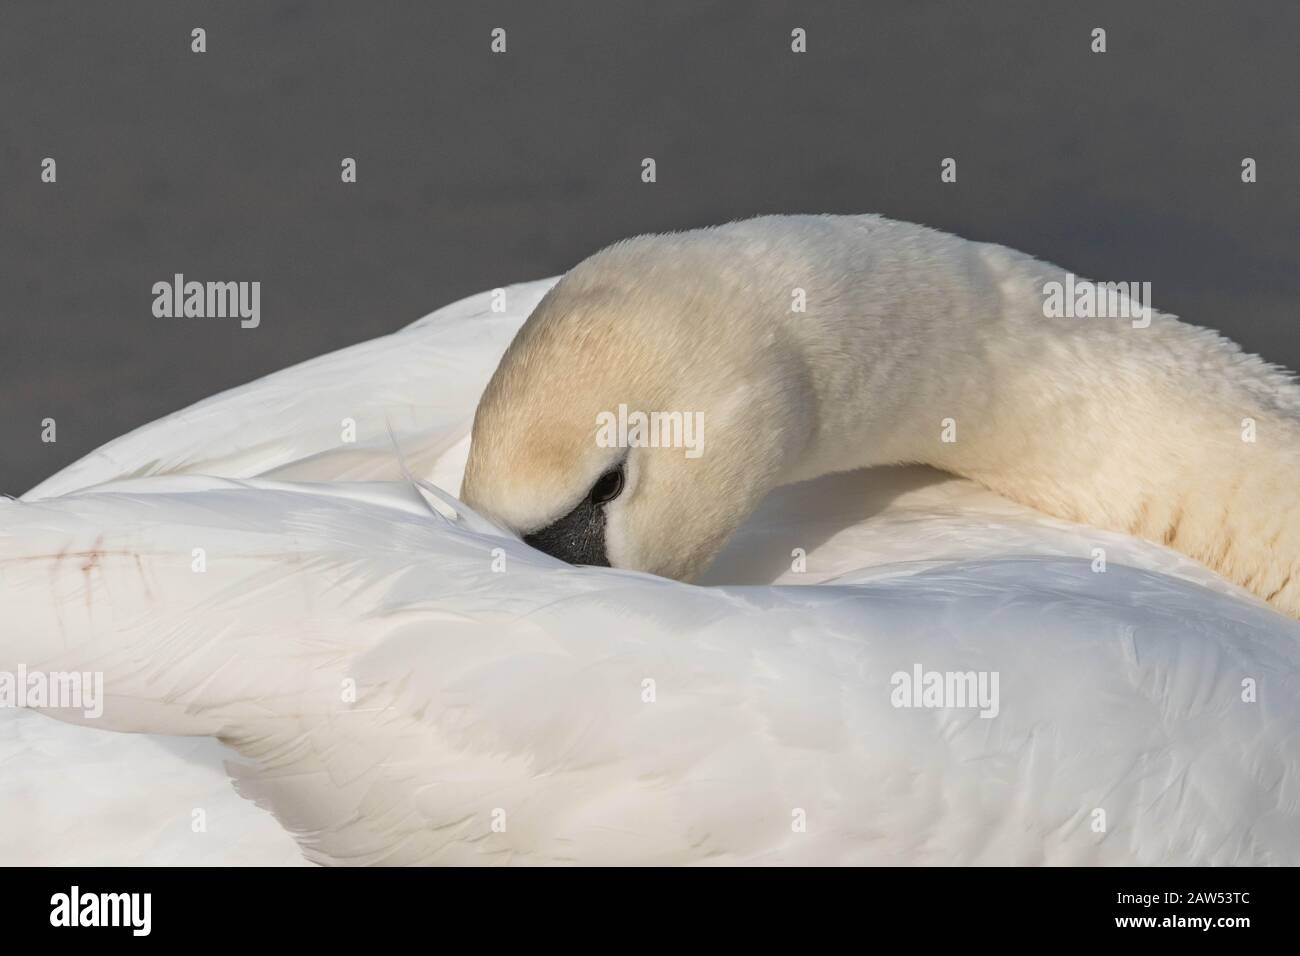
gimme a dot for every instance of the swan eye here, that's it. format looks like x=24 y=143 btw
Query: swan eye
x=607 y=487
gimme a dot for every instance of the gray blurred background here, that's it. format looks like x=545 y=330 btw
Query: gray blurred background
x=476 y=170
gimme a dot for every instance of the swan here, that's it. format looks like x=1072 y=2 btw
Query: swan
x=913 y=347
x=280 y=584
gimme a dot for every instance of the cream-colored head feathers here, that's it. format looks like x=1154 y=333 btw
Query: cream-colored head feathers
x=649 y=325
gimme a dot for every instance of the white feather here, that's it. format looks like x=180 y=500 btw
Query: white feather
x=502 y=715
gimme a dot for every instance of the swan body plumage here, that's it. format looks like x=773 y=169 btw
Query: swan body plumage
x=390 y=677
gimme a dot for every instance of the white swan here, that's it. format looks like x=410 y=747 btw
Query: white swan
x=510 y=708
x=911 y=346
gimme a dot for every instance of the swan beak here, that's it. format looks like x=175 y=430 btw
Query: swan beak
x=578 y=537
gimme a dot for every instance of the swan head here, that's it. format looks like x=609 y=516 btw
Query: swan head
x=641 y=412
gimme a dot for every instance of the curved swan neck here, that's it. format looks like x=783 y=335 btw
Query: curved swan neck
x=932 y=349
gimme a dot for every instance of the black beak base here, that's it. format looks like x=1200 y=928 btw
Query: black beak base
x=578 y=537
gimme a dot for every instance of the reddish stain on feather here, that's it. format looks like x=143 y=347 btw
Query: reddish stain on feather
x=92 y=557
x=91 y=561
